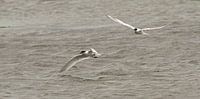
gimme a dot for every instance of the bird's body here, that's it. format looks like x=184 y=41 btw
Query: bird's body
x=82 y=56
x=136 y=30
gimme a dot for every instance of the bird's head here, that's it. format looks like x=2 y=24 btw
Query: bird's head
x=138 y=31
x=91 y=53
x=82 y=52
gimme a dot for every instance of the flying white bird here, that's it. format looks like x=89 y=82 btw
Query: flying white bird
x=82 y=56
x=137 y=30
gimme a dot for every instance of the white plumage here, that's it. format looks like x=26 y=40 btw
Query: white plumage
x=82 y=56
x=137 y=30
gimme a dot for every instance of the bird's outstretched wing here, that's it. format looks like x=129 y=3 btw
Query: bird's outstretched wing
x=145 y=29
x=121 y=22
x=72 y=62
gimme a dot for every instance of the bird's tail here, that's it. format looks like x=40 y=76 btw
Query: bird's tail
x=144 y=33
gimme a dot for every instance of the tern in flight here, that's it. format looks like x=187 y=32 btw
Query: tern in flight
x=91 y=53
x=137 y=30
